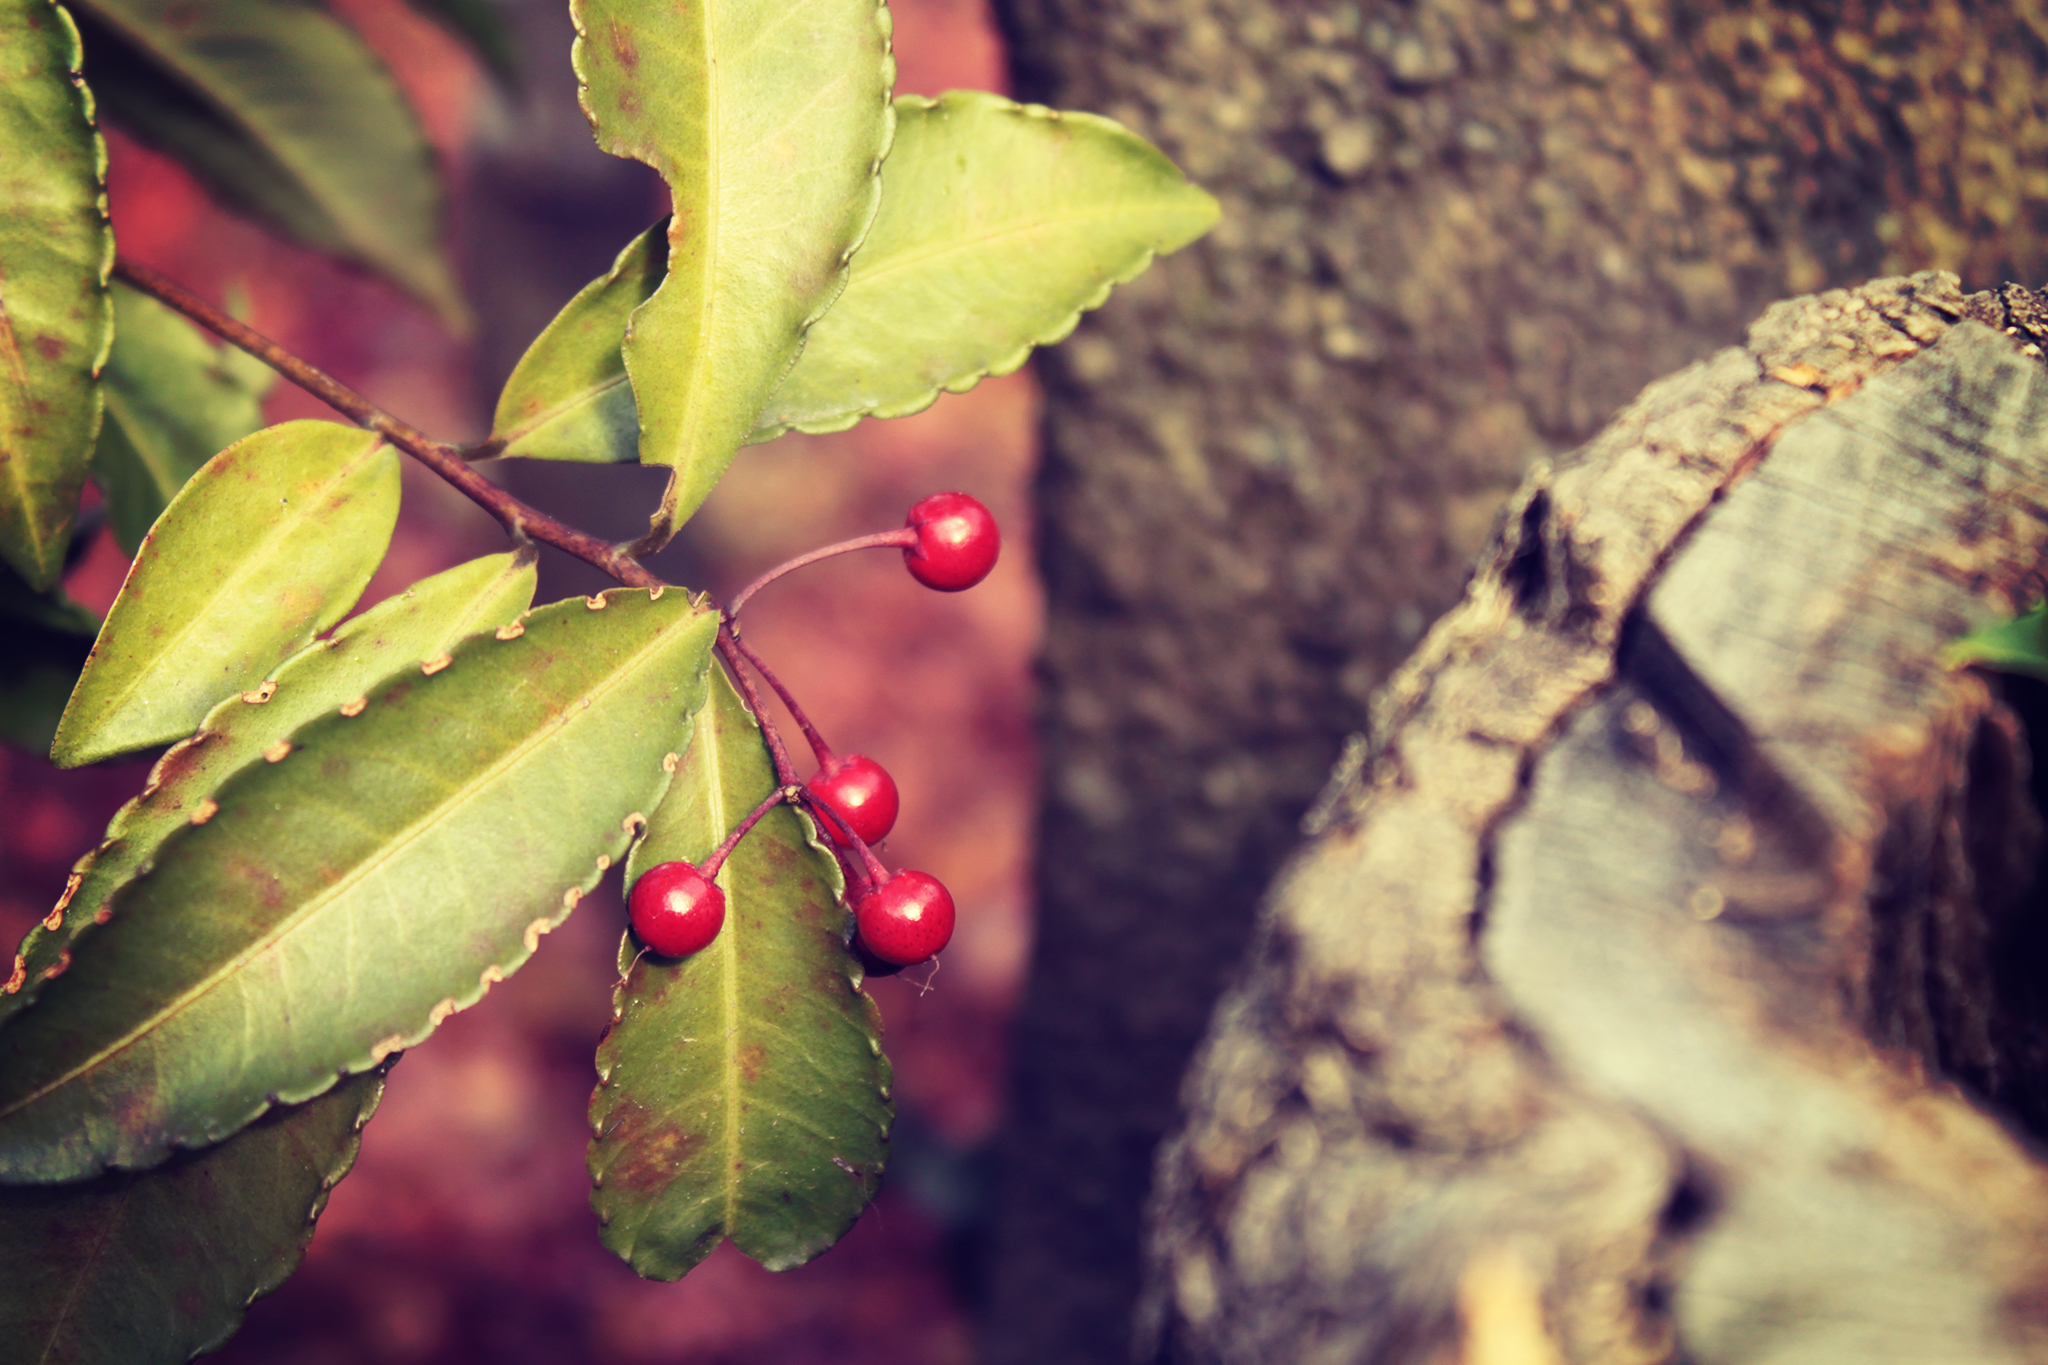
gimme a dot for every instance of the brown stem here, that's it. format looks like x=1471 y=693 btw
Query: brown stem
x=728 y=649
x=903 y=538
x=519 y=520
x=819 y=747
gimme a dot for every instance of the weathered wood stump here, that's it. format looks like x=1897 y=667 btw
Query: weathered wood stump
x=1670 y=956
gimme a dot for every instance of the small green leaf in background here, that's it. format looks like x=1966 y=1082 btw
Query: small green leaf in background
x=424 y=622
x=55 y=251
x=768 y=119
x=568 y=398
x=1001 y=224
x=2016 y=646
x=265 y=547
x=153 y=1268
x=743 y=1090
x=174 y=401
x=332 y=904
x=286 y=111
x=44 y=638
x=158 y=1267
x=481 y=24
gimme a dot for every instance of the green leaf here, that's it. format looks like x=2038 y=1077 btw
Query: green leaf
x=265 y=547
x=768 y=119
x=743 y=1091
x=481 y=24
x=55 y=251
x=44 y=638
x=568 y=398
x=287 y=112
x=174 y=401
x=2016 y=646
x=158 y=1266
x=1001 y=223
x=333 y=904
x=426 y=621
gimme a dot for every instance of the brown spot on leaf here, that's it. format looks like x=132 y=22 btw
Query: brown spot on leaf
x=50 y=348
x=651 y=1149
x=753 y=1058
x=59 y=967
x=622 y=46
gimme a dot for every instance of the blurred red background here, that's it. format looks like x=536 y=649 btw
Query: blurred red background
x=464 y=1232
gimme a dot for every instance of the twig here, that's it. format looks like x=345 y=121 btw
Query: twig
x=520 y=520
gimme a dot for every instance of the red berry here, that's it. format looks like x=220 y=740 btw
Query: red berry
x=906 y=919
x=675 y=909
x=863 y=793
x=957 y=542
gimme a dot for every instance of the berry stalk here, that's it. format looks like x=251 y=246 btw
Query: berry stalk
x=730 y=649
x=819 y=747
x=901 y=539
x=718 y=856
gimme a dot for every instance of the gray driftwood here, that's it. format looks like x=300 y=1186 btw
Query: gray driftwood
x=1667 y=938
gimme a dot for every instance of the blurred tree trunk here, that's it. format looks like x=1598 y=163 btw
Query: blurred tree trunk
x=1457 y=237
x=1621 y=987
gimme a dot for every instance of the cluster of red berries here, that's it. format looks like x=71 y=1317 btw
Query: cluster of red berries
x=950 y=543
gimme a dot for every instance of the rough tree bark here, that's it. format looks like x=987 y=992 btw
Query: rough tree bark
x=1458 y=235
x=1648 y=934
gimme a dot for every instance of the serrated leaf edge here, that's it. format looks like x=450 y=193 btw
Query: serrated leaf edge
x=75 y=927
x=501 y=439
x=78 y=753
x=1009 y=364
x=88 y=109
x=337 y=1171
x=394 y=1043
x=871 y=1027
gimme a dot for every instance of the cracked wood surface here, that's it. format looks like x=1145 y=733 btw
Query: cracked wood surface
x=1653 y=932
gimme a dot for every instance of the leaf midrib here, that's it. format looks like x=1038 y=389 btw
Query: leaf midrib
x=547 y=730
x=728 y=973
x=139 y=434
x=575 y=400
x=707 y=274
